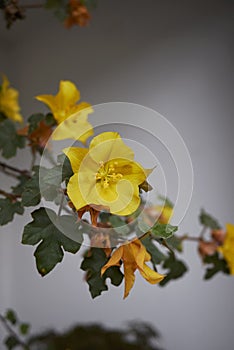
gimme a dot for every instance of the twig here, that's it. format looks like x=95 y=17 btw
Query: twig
x=13 y=333
x=190 y=238
x=14 y=169
x=11 y=196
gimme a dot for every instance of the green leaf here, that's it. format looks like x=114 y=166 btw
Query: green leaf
x=156 y=255
x=45 y=229
x=158 y=230
x=119 y=225
x=208 y=221
x=59 y=173
x=24 y=328
x=216 y=265
x=19 y=188
x=9 y=139
x=35 y=119
x=36 y=187
x=67 y=171
x=164 y=231
x=11 y=342
x=176 y=269
x=49 y=119
x=104 y=217
x=59 y=7
x=94 y=260
x=174 y=242
x=11 y=316
x=8 y=209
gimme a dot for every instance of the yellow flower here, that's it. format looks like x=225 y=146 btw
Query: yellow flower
x=9 y=105
x=157 y=213
x=134 y=256
x=227 y=249
x=106 y=175
x=71 y=116
x=165 y=214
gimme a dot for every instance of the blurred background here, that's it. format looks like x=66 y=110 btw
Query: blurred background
x=176 y=58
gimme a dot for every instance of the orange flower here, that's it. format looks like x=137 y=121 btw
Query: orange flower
x=78 y=14
x=39 y=137
x=207 y=248
x=133 y=256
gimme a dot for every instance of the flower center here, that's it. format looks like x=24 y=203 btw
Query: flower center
x=106 y=174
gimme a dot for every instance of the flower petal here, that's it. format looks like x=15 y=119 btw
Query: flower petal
x=131 y=171
x=150 y=275
x=68 y=94
x=49 y=100
x=76 y=156
x=129 y=276
x=114 y=259
x=108 y=146
x=74 y=127
x=74 y=193
x=9 y=101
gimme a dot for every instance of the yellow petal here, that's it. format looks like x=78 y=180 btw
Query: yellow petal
x=9 y=101
x=128 y=198
x=49 y=100
x=129 y=277
x=150 y=275
x=108 y=146
x=227 y=249
x=76 y=156
x=75 y=127
x=131 y=171
x=74 y=193
x=114 y=259
x=5 y=83
x=120 y=198
x=68 y=94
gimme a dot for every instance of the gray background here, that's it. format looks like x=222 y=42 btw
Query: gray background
x=174 y=57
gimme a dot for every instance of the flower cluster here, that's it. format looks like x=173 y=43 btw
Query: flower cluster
x=103 y=185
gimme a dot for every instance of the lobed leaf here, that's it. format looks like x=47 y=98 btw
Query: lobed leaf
x=216 y=265
x=94 y=260
x=176 y=269
x=209 y=221
x=8 y=209
x=45 y=230
x=10 y=141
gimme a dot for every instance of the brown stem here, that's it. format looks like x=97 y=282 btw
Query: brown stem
x=11 y=196
x=190 y=238
x=4 y=166
x=13 y=333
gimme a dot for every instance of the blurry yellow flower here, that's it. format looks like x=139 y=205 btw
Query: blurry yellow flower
x=71 y=117
x=9 y=105
x=106 y=175
x=165 y=214
x=227 y=249
x=157 y=213
x=134 y=256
